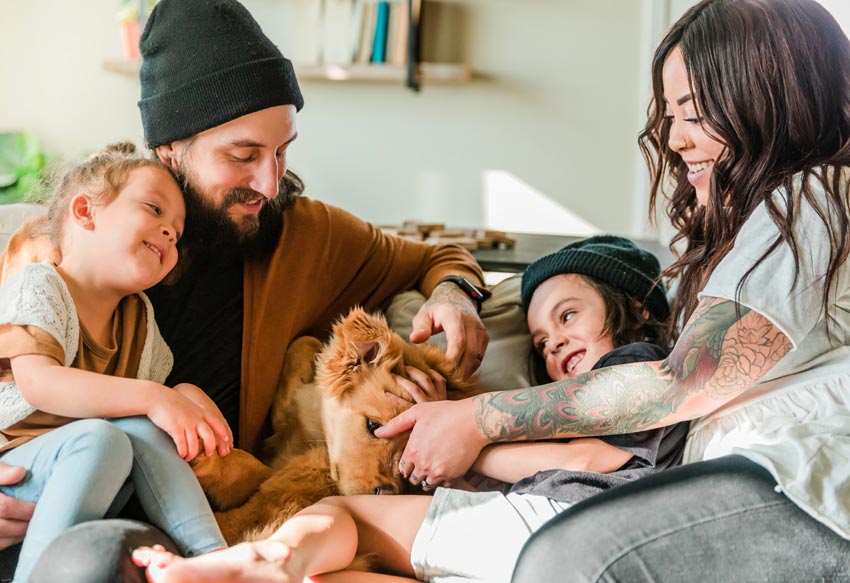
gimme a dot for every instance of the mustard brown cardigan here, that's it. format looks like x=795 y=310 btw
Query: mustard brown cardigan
x=326 y=262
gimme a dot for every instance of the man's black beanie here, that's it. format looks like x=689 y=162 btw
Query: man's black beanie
x=204 y=63
x=607 y=258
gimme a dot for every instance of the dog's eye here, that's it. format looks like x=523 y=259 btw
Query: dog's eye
x=372 y=426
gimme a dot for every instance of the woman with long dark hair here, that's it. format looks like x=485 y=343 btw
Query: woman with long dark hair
x=750 y=124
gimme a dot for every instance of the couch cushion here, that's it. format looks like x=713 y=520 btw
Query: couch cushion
x=13 y=216
x=505 y=365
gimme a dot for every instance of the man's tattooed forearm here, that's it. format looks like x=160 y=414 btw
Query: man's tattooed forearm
x=724 y=350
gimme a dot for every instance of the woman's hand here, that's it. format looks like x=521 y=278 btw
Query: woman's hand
x=444 y=441
x=423 y=387
x=186 y=423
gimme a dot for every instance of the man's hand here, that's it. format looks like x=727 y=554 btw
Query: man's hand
x=451 y=311
x=14 y=514
x=444 y=441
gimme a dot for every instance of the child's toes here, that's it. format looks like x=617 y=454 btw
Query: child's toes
x=155 y=556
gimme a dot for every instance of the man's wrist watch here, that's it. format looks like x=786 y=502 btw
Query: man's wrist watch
x=475 y=293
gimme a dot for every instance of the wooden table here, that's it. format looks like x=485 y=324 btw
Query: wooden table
x=530 y=247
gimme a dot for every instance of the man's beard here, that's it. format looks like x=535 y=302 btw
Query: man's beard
x=210 y=229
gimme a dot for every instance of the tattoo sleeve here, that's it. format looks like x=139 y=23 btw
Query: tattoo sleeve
x=724 y=350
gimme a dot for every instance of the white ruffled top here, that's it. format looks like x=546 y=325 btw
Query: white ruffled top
x=796 y=421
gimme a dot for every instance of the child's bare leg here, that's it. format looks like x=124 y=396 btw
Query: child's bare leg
x=320 y=539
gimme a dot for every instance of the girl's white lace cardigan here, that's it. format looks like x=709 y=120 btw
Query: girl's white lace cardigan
x=37 y=296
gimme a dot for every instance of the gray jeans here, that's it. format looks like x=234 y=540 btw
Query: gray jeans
x=720 y=520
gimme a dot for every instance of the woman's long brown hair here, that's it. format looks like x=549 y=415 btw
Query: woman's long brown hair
x=771 y=80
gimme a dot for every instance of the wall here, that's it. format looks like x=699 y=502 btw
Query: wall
x=558 y=105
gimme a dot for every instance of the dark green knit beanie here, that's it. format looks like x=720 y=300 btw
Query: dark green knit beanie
x=607 y=258
x=204 y=63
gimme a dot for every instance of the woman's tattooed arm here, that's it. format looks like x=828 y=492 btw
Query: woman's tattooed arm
x=725 y=349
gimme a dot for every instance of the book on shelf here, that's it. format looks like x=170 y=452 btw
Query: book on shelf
x=379 y=46
x=353 y=31
x=398 y=33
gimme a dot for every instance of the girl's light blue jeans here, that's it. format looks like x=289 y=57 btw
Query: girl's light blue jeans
x=75 y=474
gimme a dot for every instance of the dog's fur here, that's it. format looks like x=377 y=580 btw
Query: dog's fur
x=323 y=443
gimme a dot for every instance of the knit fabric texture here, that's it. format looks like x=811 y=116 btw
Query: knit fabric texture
x=204 y=63
x=613 y=260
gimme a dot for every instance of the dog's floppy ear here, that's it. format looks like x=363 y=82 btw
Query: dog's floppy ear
x=360 y=341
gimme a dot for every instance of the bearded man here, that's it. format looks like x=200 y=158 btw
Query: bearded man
x=261 y=264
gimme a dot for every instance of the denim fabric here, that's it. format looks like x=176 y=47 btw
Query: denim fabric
x=168 y=490
x=76 y=473
x=716 y=521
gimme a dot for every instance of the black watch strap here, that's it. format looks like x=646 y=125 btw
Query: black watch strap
x=475 y=293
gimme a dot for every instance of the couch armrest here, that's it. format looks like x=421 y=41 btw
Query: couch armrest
x=505 y=366
x=12 y=216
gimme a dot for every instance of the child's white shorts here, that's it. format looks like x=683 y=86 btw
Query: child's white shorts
x=477 y=536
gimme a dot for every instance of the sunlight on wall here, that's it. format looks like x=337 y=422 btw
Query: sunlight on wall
x=512 y=205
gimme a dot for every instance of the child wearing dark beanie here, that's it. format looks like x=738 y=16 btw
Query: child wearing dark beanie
x=593 y=304
x=624 y=277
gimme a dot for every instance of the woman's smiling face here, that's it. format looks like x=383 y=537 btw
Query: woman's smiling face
x=688 y=136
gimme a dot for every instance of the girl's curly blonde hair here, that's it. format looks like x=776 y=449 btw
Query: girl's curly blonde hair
x=101 y=177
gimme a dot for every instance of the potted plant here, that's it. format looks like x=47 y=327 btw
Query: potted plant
x=21 y=163
x=130 y=25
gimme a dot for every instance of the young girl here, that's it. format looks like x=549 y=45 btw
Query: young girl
x=593 y=303
x=78 y=341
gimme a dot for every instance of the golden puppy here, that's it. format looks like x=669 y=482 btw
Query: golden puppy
x=324 y=442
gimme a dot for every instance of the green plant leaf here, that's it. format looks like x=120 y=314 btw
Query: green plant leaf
x=21 y=163
x=10 y=158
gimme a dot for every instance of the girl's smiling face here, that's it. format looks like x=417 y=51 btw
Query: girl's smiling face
x=135 y=236
x=566 y=318
x=688 y=136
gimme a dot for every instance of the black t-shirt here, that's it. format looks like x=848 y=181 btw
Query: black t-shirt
x=651 y=451
x=200 y=318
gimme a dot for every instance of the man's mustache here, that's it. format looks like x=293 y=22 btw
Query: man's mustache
x=238 y=195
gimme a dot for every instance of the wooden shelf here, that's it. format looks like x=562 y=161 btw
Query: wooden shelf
x=379 y=73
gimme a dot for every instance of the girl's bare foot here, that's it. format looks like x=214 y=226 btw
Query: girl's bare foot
x=262 y=562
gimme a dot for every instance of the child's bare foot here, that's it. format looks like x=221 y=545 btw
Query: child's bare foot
x=263 y=562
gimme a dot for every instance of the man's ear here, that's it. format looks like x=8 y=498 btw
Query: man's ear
x=82 y=211
x=167 y=154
